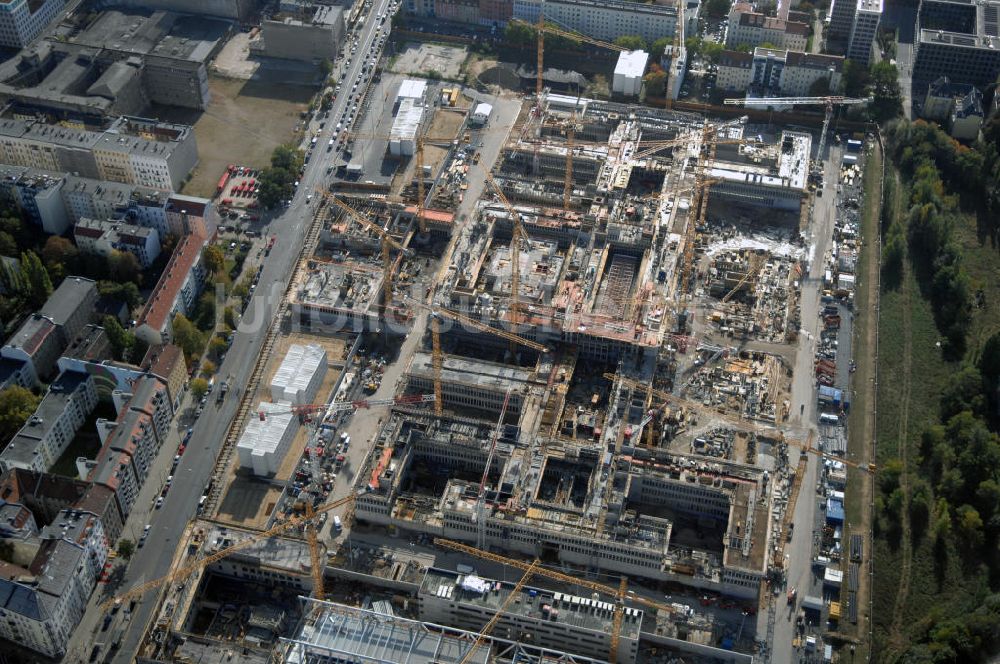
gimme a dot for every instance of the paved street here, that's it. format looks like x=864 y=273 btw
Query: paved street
x=194 y=470
x=803 y=412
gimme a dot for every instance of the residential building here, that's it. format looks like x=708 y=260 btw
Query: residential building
x=958 y=39
x=864 y=29
x=166 y=362
x=495 y=12
x=91 y=345
x=38 y=194
x=190 y=214
x=751 y=29
x=100 y=500
x=967 y=116
x=785 y=73
x=103 y=237
x=101 y=199
x=49 y=431
x=84 y=529
x=114 y=470
x=23 y=20
x=312 y=36
x=460 y=11
x=130 y=150
x=42 y=604
x=45 y=334
x=607 y=19
x=176 y=292
x=839 y=22
x=939 y=100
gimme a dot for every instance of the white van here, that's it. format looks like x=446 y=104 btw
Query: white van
x=338 y=524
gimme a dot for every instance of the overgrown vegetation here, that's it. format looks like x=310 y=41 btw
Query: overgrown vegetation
x=16 y=406
x=277 y=182
x=939 y=480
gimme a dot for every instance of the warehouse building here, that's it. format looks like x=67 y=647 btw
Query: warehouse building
x=300 y=375
x=267 y=438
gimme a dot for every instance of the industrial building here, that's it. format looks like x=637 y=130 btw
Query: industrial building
x=267 y=437
x=120 y=64
x=629 y=70
x=298 y=378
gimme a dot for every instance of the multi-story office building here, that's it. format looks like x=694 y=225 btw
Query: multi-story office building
x=606 y=19
x=864 y=28
x=959 y=39
x=104 y=237
x=130 y=150
x=22 y=20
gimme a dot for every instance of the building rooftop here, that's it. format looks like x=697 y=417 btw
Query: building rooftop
x=67 y=298
x=90 y=345
x=298 y=367
x=264 y=435
x=631 y=64
x=162 y=33
x=412 y=89
x=161 y=302
x=23 y=447
x=161 y=360
x=481 y=373
x=407 y=122
x=580 y=612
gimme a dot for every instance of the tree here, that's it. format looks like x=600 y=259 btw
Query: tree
x=59 y=254
x=659 y=47
x=970 y=524
x=519 y=34
x=124 y=266
x=631 y=42
x=122 y=341
x=189 y=338
x=711 y=50
x=287 y=157
x=217 y=346
x=204 y=312
x=128 y=292
x=325 y=67
x=887 y=100
x=208 y=368
x=126 y=548
x=716 y=8
x=229 y=316
x=16 y=406
x=8 y=245
x=964 y=391
x=214 y=259
x=199 y=388
x=656 y=83
x=693 y=46
x=855 y=78
x=35 y=278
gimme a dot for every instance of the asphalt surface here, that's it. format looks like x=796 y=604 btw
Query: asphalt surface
x=194 y=470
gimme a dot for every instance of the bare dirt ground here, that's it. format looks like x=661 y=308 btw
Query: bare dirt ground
x=424 y=58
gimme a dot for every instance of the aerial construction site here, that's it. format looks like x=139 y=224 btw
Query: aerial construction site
x=551 y=398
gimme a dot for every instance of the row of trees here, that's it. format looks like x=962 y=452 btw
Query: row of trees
x=277 y=182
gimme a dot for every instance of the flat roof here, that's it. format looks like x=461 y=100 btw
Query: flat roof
x=411 y=89
x=407 y=122
x=67 y=298
x=631 y=64
x=264 y=436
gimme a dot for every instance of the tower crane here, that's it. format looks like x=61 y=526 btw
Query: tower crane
x=488 y=627
x=194 y=566
x=621 y=594
x=518 y=235
x=481 y=501
x=739 y=423
x=339 y=406
x=418 y=152
x=388 y=242
x=756 y=265
x=827 y=102
x=437 y=357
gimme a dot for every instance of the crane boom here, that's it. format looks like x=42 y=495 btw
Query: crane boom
x=488 y=627
x=190 y=568
x=367 y=223
x=316 y=565
x=796 y=101
x=551 y=574
x=518 y=235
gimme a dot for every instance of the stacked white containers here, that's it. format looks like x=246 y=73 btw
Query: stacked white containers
x=300 y=375
x=403 y=135
x=267 y=438
x=629 y=72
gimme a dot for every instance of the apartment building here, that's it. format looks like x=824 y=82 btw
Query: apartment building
x=44 y=335
x=104 y=237
x=959 y=39
x=190 y=214
x=51 y=428
x=606 y=19
x=130 y=150
x=88 y=198
x=166 y=362
x=39 y=194
x=769 y=72
x=23 y=20
x=176 y=292
x=751 y=29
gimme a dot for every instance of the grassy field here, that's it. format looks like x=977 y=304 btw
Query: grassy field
x=912 y=373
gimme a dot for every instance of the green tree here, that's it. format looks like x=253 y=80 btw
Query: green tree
x=518 y=34
x=656 y=83
x=970 y=524
x=887 y=100
x=127 y=292
x=189 y=338
x=122 y=341
x=199 y=387
x=716 y=8
x=217 y=346
x=59 y=256
x=964 y=391
x=855 y=78
x=229 y=317
x=287 y=157
x=126 y=548
x=693 y=46
x=631 y=42
x=711 y=50
x=35 y=278
x=325 y=67
x=16 y=406
x=204 y=312
x=8 y=245
x=124 y=266
x=208 y=368
x=659 y=47
x=214 y=259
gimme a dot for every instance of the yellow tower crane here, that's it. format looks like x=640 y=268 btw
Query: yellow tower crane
x=184 y=571
x=388 y=243
x=488 y=627
x=518 y=235
x=437 y=356
x=621 y=593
